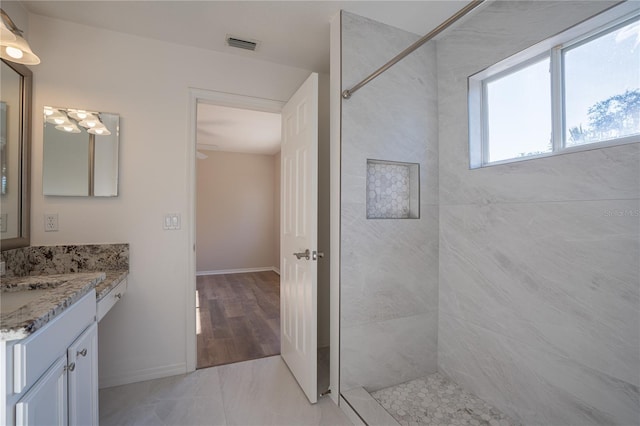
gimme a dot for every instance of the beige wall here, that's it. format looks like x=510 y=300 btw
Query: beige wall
x=144 y=336
x=235 y=213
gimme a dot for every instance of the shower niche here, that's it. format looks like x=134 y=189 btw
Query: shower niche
x=393 y=190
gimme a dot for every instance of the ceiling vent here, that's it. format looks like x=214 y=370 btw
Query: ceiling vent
x=242 y=43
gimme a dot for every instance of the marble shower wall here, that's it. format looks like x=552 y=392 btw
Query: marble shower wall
x=389 y=272
x=539 y=305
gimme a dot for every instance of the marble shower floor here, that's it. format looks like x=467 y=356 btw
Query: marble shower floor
x=436 y=400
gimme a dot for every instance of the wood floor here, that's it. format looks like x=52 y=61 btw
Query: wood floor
x=239 y=317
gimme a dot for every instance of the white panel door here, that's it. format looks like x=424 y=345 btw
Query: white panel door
x=299 y=236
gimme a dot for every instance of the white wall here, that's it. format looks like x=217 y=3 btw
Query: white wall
x=236 y=195
x=144 y=335
x=539 y=310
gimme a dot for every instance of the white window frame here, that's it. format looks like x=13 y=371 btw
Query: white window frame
x=553 y=48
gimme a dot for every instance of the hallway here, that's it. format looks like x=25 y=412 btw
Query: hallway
x=238 y=317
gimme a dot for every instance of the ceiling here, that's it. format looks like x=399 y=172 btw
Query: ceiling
x=237 y=130
x=293 y=33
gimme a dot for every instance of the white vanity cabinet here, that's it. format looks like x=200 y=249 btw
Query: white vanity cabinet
x=82 y=378
x=46 y=403
x=67 y=394
x=52 y=375
x=110 y=299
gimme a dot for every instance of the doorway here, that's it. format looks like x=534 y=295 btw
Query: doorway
x=237 y=234
x=197 y=96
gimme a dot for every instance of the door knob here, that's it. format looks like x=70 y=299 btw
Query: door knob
x=306 y=254
x=317 y=254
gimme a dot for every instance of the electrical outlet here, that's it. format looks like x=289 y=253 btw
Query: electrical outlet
x=50 y=222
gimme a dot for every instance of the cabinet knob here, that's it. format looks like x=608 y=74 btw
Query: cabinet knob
x=71 y=366
x=82 y=352
x=118 y=296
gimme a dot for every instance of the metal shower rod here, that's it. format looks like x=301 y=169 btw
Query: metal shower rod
x=446 y=24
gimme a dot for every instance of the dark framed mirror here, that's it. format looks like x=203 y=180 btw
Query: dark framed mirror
x=15 y=148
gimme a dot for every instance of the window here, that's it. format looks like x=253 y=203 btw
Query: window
x=578 y=90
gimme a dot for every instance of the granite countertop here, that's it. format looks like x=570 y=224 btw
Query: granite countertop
x=47 y=297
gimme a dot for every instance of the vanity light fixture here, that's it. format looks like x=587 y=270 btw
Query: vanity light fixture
x=89 y=121
x=55 y=117
x=78 y=114
x=5 y=33
x=16 y=50
x=68 y=127
x=99 y=130
x=68 y=120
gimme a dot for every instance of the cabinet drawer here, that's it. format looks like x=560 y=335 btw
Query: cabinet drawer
x=33 y=355
x=106 y=303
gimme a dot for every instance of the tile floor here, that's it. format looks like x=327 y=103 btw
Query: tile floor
x=436 y=400
x=258 y=392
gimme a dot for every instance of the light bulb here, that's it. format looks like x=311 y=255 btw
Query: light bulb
x=68 y=128
x=48 y=111
x=81 y=114
x=14 y=53
x=91 y=123
x=99 y=131
x=59 y=120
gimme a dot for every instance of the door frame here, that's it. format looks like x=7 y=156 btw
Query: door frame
x=221 y=99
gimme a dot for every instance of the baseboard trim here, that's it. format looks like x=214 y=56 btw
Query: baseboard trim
x=142 y=375
x=238 y=271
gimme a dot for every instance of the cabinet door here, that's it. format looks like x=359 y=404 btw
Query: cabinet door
x=46 y=402
x=83 y=378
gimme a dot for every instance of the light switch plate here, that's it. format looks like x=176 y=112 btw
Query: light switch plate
x=171 y=221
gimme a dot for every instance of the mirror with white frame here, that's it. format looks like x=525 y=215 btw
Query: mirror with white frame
x=80 y=155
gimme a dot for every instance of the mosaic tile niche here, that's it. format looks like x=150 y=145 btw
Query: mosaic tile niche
x=392 y=190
